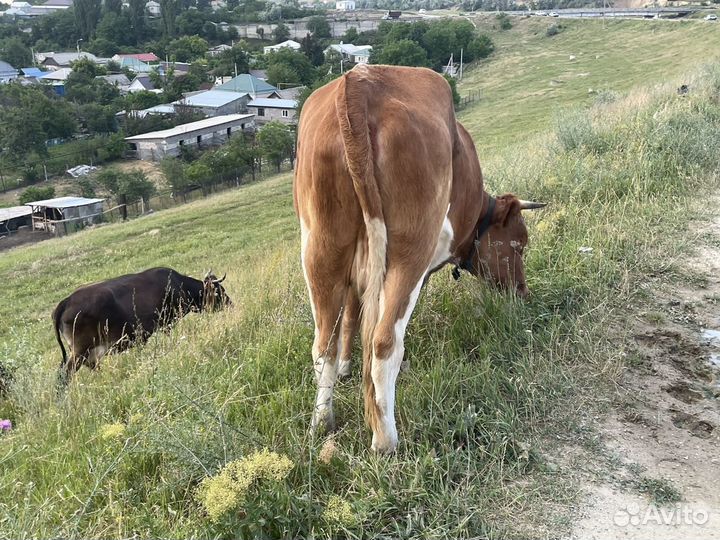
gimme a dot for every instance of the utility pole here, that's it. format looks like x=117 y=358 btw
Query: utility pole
x=77 y=45
x=461 y=64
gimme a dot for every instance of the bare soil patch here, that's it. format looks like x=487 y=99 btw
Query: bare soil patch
x=662 y=441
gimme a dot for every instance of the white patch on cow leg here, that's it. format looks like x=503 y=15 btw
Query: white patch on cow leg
x=304 y=236
x=384 y=375
x=445 y=240
x=326 y=373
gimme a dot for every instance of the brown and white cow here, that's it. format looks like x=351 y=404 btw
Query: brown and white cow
x=388 y=189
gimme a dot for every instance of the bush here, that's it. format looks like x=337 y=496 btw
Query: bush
x=504 y=20
x=30 y=174
x=552 y=31
x=36 y=193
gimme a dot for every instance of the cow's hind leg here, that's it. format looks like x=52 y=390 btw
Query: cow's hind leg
x=401 y=291
x=350 y=321
x=327 y=276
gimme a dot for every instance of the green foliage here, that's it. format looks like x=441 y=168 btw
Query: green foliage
x=15 y=53
x=290 y=67
x=187 y=48
x=87 y=14
x=453 y=87
x=401 y=53
x=36 y=193
x=281 y=33
x=174 y=172
x=276 y=143
x=225 y=63
x=552 y=30
x=504 y=21
x=319 y=27
x=87 y=187
x=168 y=11
x=114 y=28
x=128 y=186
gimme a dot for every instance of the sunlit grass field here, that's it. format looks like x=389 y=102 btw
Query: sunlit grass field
x=491 y=379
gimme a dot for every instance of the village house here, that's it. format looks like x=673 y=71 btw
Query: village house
x=357 y=54
x=273 y=109
x=289 y=44
x=213 y=131
x=214 y=102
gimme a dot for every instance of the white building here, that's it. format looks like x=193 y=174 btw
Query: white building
x=219 y=49
x=214 y=102
x=345 y=5
x=153 y=8
x=203 y=133
x=7 y=72
x=289 y=44
x=269 y=109
x=357 y=54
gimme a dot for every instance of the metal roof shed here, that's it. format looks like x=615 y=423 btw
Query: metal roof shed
x=13 y=217
x=63 y=215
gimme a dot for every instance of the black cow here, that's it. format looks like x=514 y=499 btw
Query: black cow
x=114 y=314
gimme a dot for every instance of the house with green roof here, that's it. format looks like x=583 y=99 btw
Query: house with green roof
x=247 y=84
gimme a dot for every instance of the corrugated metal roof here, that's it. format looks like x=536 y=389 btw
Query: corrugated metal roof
x=14 y=212
x=32 y=72
x=191 y=126
x=247 y=84
x=211 y=98
x=57 y=75
x=65 y=202
x=270 y=103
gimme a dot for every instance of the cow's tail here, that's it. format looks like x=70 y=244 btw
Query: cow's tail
x=352 y=107
x=57 y=320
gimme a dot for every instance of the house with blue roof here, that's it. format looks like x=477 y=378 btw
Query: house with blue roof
x=247 y=84
x=7 y=72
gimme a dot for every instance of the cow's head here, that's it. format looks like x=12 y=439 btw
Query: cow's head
x=214 y=295
x=498 y=256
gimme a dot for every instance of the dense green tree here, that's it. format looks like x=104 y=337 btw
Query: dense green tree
x=480 y=47
x=283 y=63
x=439 y=43
x=190 y=22
x=168 y=12
x=15 y=53
x=36 y=193
x=60 y=27
x=136 y=12
x=98 y=118
x=313 y=49
x=115 y=28
x=276 y=143
x=351 y=36
x=453 y=88
x=226 y=62
x=187 y=48
x=401 y=53
x=174 y=172
x=281 y=33
x=126 y=186
x=112 y=6
x=319 y=27
x=103 y=47
x=87 y=14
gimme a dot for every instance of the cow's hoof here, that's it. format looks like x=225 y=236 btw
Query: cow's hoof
x=343 y=369
x=323 y=422
x=384 y=445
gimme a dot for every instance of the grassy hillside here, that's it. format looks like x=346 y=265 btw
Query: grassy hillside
x=123 y=453
x=532 y=76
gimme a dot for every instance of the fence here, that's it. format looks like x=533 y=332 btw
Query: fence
x=467 y=99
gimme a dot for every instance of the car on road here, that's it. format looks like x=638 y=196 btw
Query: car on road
x=711 y=17
x=541 y=14
x=554 y=14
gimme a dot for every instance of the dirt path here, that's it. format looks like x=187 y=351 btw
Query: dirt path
x=662 y=443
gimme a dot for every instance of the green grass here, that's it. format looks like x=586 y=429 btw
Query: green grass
x=531 y=78
x=491 y=379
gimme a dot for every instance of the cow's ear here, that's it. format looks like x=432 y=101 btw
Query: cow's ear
x=506 y=206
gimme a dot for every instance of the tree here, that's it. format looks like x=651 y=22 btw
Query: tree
x=187 y=48
x=174 y=172
x=113 y=6
x=168 y=11
x=87 y=188
x=313 y=50
x=319 y=26
x=87 y=14
x=351 y=36
x=293 y=62
x=15 y=53
x=130 y=186
x=281 y=33
x=227 y=61
x=190 y=22
x=137 y=19
x=480 y=47
x=439 y=42
x=36 y=193
x=401 y=53
x=115 y=28
x=453 y=88
x=276 y=143
x=97 y=118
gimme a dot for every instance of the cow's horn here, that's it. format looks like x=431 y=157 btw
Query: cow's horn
x=207 y=274
x=221 y=279
x=531 y=205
